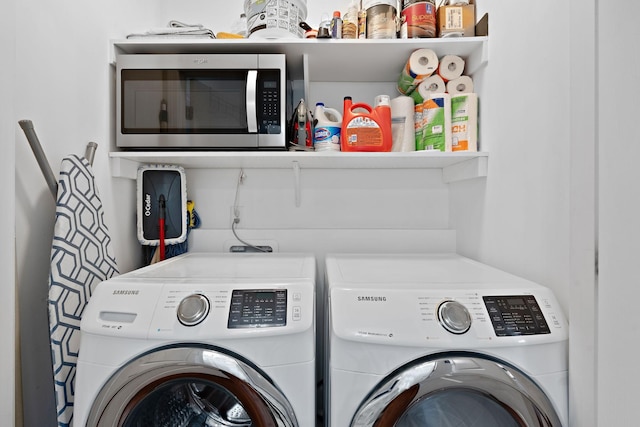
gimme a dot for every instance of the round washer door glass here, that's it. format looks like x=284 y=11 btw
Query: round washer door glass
x=462 y=390
x=188 y=402
x=190 y=386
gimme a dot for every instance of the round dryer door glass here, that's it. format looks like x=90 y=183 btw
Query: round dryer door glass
x=459 y=389
x=457 y=408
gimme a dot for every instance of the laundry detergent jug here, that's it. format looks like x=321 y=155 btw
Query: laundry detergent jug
x=368 y=130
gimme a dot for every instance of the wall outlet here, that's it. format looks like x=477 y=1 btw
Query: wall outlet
x=233 y=245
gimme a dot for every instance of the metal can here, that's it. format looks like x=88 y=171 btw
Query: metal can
x=382 y=19
x=418 y=20
x=406 y=3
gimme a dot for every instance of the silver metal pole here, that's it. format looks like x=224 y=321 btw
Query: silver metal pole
x=90 y=152
x=41 y=157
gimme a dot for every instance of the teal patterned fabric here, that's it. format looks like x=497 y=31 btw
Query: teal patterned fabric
x=81 y=258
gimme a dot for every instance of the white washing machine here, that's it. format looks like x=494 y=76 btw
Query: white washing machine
x=441 y=340
x=201 y=340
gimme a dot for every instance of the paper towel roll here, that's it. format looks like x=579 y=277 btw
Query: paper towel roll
x=450 y=67
x=432 y=84
x=464 y=122
x=421 y=64
x=462 y=84
x=402 y=117
x=436 y=123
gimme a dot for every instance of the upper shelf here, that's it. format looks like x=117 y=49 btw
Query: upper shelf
x=329 y=60
x=456 y=166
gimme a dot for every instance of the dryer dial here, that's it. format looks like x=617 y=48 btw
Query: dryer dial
x=193 y=309
x=454 y=317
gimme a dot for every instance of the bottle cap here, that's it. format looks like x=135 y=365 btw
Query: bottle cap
x=382 y=100
x=336 y=14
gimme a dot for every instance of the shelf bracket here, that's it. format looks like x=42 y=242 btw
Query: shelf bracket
x=473 y=168
x=124 y=168
x=296 y=183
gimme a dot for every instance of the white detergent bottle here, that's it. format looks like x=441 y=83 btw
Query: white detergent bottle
x=327 y=123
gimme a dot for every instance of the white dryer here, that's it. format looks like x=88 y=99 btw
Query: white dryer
x=201 y=340
x=441 y=340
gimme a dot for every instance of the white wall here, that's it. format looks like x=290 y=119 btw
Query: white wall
x=618 y=147
x=8 y=350
x=517 y=219
x=583 y=390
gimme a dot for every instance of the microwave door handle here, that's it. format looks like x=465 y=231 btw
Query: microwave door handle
x=252 y=116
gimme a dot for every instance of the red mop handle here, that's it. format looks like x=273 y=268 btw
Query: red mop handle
x=163 y=207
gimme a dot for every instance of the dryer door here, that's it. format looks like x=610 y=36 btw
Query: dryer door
x=190 y=386
x=457 y=390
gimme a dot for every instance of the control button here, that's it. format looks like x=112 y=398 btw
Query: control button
x=297 y=313
x=454 y=317
x=297 y=296
x=193 y=309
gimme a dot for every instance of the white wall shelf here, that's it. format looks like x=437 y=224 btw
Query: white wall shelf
x=456 y=166
x=329 y=60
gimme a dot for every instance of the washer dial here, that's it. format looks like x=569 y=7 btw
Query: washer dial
x=454 y=317
x=193 y=309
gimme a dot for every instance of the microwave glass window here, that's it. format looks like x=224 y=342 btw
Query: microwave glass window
x=179 y=101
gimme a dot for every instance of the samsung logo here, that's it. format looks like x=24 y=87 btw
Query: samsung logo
x=371 y=299
x=126 y=292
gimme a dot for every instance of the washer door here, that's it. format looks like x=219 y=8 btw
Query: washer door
x=190 y=386
x=461 y=390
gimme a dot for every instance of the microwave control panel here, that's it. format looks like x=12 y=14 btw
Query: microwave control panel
x=269 y=102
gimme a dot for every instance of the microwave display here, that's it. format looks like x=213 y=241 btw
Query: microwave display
x=197 y=101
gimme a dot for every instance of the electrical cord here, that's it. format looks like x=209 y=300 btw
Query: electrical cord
x=236 y=216
x=233 y=229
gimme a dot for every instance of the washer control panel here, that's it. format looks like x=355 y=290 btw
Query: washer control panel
x=516 y=315
x=251 y=308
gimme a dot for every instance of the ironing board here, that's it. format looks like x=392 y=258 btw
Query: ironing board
x=81 y=258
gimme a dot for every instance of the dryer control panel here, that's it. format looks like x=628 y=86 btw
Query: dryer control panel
x=516 y=315
x=252 y=308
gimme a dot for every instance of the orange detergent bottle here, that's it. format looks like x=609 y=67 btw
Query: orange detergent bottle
x=368 y=130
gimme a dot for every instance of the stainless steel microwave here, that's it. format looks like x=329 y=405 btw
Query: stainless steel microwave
x=194 y=101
